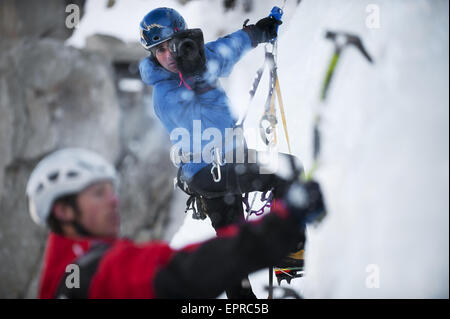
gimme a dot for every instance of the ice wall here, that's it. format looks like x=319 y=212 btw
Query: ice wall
x=384 y=164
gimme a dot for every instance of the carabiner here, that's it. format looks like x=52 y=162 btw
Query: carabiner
x=217 y=178
x=267 y=128
x=217 y=161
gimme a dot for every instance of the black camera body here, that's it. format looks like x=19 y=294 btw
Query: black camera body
x=188 y=50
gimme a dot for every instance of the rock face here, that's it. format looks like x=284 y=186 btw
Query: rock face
x=54 y=96
x=38 y=19
x=57 y=96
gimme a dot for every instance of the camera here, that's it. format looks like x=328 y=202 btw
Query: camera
x=188 y=50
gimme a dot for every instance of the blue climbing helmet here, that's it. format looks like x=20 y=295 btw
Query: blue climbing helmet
x=159 y=25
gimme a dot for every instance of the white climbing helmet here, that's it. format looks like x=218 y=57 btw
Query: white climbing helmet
x=64 y=172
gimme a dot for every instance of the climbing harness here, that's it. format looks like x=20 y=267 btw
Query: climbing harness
x=266 y=198
x=195 y=202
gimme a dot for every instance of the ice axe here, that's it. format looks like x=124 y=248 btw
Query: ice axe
x=341 y=41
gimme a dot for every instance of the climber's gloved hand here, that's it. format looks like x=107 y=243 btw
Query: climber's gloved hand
x=304 y=201
x=263 y=31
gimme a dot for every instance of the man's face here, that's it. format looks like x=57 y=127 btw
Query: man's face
x=165 y=58
x=99 y=210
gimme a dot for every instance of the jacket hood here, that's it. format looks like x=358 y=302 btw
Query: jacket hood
x=152 y=73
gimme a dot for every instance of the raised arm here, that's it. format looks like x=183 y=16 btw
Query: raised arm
x=207 y=269
x=224 y=53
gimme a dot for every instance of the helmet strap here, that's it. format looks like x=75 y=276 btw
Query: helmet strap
x=79 y=228
x=152 y=57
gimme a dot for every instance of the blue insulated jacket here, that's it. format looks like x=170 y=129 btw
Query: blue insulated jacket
x=188 y=107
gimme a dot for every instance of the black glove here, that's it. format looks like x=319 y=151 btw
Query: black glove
x=263 y=31
x=304 y=201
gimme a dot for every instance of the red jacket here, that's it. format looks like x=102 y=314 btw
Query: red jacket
x=129 y=270
x=59 y=252
x=124 y=259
